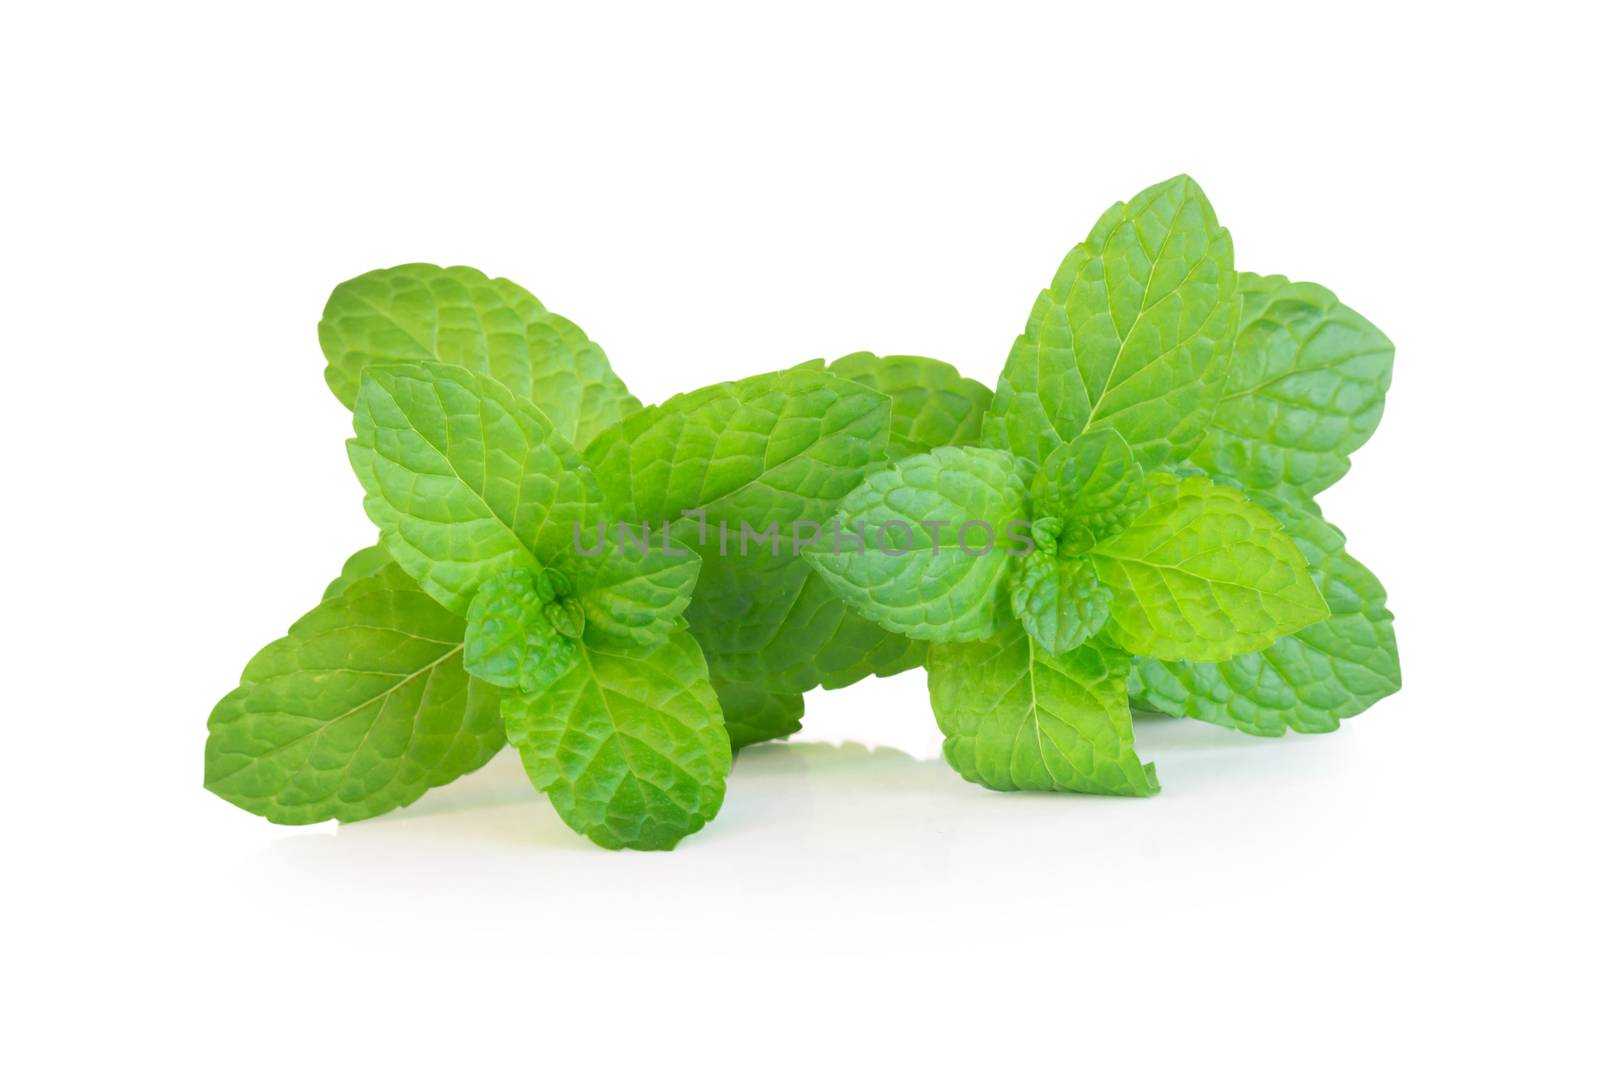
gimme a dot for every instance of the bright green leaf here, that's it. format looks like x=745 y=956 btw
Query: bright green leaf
x=511 y=640
x=364 y=563
x=1015 y=717
x=1059 y=602
x=932 y=404
x=573 y=382
x=1133 y=333
x=777 y=626
x=1307 y=681
x=1305 y=390
x=766 y=461
x=754 y=715
x=1093 y=485
x=938 y=527
x=362 y=708
x=459 y=316
x=780 y=447
x=629 y=745
x=464 y=479
x=1204 y=574
x=632 y=593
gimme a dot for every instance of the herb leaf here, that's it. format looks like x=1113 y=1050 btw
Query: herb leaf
x=1059 y=602
x=460 y=316
x=464 y=479
x=778 y=626
x=1305 y=390
x=573 y=382
x=931 y=403
x=924 y=573
x=1093 y=485
x=780 y=447
x=632 y=594
x=511 y=640
x=361 y=709
x=1015 y=717
x=364 y=563
x=629 y=745
x=1134 y=333
x=1307 y=681
x=753 y=715
x=1204 y=574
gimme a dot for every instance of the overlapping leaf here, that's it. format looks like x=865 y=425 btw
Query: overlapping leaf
x=362 y=708
x=1204 y=574
x=629 y=745
x=938 y=527
x=1307 y=681
x=1305 y=390
x=1134 y=333
x=464 y=479
x=492 y=326
x=1016 y=718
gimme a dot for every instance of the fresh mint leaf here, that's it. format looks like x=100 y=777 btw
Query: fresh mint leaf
x=939 y=526
x=1307 y=681
x=1015 y=717
x=1204 y=574
x=763 y=463
x=364 y=563
x=573 y=382
x=418 y=311
x=629 y=745
x=361 y=709
x=1134 y=333
x=631 y=593
x=931 y=403
x=464 y=479
x=780 y=447
x=776 y=626
x=1093 y=485
x=459 y=316
x=1305 y=390
x=753 y=714
x=1059 y=602
x=512 y=640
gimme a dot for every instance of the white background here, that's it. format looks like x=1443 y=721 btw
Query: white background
x=711 y=193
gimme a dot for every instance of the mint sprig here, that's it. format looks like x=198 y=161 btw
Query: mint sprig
x=1127 y=522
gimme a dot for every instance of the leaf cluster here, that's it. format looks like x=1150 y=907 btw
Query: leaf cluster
x=1126 y=522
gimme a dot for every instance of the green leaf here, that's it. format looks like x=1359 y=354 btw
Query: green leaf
x=931 y=403
x=1134 y=333
x=629 y=745
x=633 y=594
x=362 y=708
x=459 y=316
x=1093 y=485
x=777 y=626
x=464 y=479
x=1204 y=574
x=1015 y=717
x=573 y=382
x=938 y=526
x=754 y=715
x=1307 y=681
x=364 y=563
x=1059 y=602
x=511 y=640
x=1305 y=390
x=780 y=447
x=418 y=311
